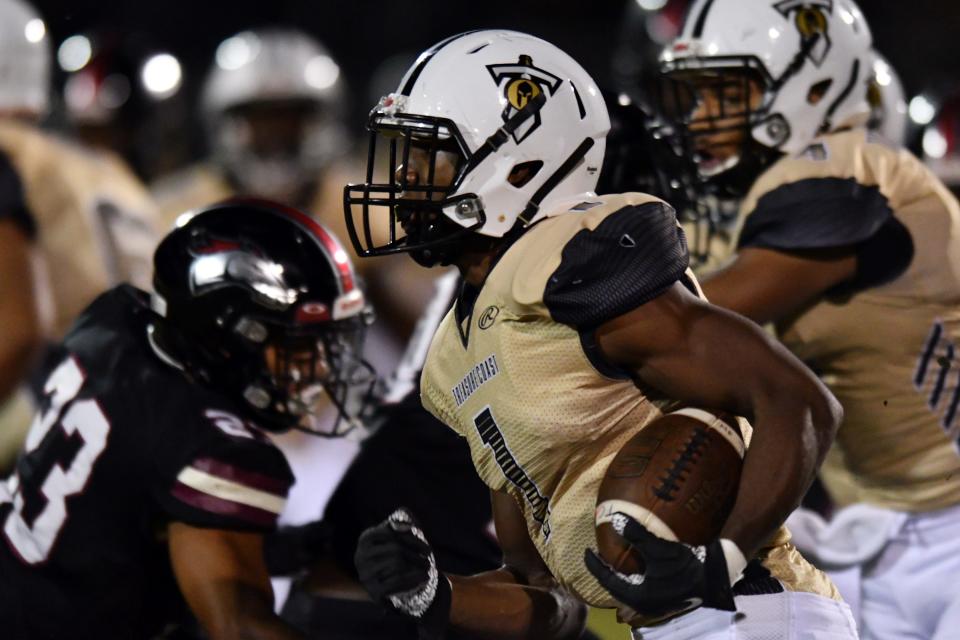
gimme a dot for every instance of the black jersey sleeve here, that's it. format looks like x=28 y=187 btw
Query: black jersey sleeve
x=222 y=472
x=13 y=206
x=631 y=257
x=816 y=213
x=833 y=213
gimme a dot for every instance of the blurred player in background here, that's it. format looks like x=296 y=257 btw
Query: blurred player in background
x=576 y=320
x=846 y=244
x=147 y=481
x=106 y=100
x=73 y=222
x=271 y=105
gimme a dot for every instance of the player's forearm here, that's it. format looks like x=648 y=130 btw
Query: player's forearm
x=250 y=616
x=496 y=605
x=793 y=429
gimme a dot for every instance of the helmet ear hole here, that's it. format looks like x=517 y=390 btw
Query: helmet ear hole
x=524 y=172
x=818 y=90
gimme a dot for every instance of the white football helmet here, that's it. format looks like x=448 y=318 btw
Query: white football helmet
x=524 y=121
x=811 y=58
x=888 y=105
x=274 y=68
x=24 y=59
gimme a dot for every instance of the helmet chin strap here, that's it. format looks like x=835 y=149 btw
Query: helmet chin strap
x=533 y=206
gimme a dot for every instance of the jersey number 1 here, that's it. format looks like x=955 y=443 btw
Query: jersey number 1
x=62 y=446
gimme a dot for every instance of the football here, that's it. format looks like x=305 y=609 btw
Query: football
x=678 y=477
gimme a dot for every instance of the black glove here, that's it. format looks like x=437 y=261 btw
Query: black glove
x=677 y=577
x=396 y=566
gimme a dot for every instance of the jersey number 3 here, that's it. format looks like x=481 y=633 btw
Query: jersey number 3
x=63 y=444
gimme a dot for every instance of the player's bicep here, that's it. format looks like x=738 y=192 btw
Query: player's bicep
x=766 y=285
x=806 y=238
x=221 y=574
x=520 y=556
x=695 y=352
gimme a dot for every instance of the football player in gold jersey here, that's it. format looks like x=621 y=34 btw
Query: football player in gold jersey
x=72 y=222
x=847 y=245
x=577 y=325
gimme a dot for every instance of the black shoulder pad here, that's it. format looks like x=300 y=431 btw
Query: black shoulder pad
x=816 y=213
x=12 y=203
x=631 y=257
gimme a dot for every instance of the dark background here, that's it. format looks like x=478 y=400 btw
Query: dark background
x=921 y=38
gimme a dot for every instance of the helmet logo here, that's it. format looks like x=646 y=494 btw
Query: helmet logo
x=810 y=17
x=310 y=312
x=520 y=83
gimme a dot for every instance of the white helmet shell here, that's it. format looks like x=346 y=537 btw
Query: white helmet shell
x=478 y=80
x=24 y=58
x=274 y=65
x=270 y=64
x=797 y=45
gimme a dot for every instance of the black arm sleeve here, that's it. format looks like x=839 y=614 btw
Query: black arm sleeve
x=816 y=213
x=631 y=257
x=833 y=213
x=12 y=203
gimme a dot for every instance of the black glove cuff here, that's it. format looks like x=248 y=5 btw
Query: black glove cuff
x=433 y=624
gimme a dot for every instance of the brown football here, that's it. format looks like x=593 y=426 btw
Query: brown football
x=678 y=477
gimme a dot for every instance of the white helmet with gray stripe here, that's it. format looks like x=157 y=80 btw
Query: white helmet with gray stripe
x=812 y=57
x=502 y=102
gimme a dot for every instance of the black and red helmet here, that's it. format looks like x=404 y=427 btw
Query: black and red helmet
x=262 y=302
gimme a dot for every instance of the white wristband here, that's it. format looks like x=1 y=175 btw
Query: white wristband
x=736 y=562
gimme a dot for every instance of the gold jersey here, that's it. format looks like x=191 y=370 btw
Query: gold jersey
x=517 y=375
x=92 y=220
x=887 y=345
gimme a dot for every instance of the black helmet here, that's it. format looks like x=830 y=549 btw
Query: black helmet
x=261 y=302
